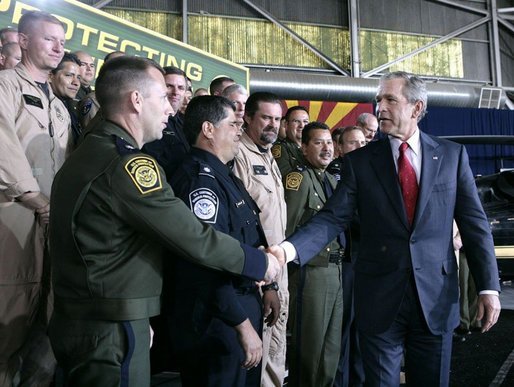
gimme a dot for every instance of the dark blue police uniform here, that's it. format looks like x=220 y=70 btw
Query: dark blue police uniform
x=208 y=304
x=172 y=148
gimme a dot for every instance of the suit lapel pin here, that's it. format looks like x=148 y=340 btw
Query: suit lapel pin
x=434 y=157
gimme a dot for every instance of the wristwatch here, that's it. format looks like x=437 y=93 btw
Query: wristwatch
x=271 y=286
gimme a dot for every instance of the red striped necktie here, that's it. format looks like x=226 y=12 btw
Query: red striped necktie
x=408 y=182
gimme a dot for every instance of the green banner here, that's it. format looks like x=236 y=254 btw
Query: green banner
x=99 y=33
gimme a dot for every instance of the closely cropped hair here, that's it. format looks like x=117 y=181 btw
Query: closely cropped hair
x=113 y=54
x=235 y=88
x=252 y=104
x=203 y=108
x=294 y=109
x=68 y=57
x=29 y=18
x=348 y=129
x=217 y=83
x=336 y=133
x=172 y=70
x=4 y=31
x=307 y=129
x=120 y=75
x=8 y=48
x=415 y=88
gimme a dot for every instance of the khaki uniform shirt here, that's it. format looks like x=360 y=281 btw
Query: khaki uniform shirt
x=262 y=179
x=34 y=134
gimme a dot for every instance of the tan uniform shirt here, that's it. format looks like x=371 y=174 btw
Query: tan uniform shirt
x=33 y=139
x=262 y=179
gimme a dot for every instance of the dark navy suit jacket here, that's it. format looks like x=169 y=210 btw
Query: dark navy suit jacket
x=390 y=250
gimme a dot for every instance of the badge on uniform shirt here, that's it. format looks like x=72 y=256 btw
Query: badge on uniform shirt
x=144 y=173
x=32 y=100
x=59 y=114
x=293 y=181
x=276 y=151
x=204 y=203
x=259 y=170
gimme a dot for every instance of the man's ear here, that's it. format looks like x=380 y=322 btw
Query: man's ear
x=23 y=40
x=208 y=129
x=136 y=99
x=418 y=108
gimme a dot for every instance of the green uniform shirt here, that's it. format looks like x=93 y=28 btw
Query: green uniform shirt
x=112 y=212
x=288 y=155
x=305 y=196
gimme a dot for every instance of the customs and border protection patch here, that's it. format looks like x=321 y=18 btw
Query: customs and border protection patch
x=205 y=204
x=293 y=181
x=276 y=151
x=144 y=173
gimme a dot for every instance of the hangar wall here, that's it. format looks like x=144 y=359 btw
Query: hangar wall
x=409 y=19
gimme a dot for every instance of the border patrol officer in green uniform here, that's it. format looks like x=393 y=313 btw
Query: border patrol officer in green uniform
x=316 y=307
x=288 y=152
x=112 y=214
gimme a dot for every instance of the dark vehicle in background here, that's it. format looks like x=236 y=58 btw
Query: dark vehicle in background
x=497 y=195
x=496 y=192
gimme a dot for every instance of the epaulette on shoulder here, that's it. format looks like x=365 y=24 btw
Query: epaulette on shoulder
x=124 y=147
x=205 y=170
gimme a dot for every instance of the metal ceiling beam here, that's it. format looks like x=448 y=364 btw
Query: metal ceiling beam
x=462 y=6
x=429 y=45
x=496 y=59
x=297 y=37
x=184 y=22
x=506 y=24
x=505 y=10
x=101 y=4
x=354 y=21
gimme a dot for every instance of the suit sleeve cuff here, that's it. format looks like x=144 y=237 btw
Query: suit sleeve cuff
x=255 y=264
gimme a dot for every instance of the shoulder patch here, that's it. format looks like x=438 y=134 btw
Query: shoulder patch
x=144 y=173
x=276 y=151
x=86 y=107
x=293 y=181
x=205 y=204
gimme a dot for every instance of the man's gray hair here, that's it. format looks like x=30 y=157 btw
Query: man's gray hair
x=235 y=88
x=415 y=88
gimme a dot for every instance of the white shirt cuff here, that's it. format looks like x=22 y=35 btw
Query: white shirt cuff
x=493 y=292
x=290 y=251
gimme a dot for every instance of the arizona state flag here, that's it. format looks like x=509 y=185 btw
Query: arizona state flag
x=334 y=114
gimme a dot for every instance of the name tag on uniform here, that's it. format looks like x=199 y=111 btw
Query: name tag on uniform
x=259 y=170
x=32 y=100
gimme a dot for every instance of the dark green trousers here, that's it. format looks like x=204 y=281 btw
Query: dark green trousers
x=316 y=308
x=101 y=353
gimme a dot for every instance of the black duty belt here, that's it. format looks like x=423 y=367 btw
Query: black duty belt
x=336 y=256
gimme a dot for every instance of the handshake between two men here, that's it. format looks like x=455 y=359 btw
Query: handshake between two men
x=276 y=259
